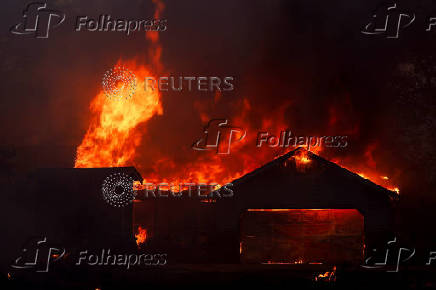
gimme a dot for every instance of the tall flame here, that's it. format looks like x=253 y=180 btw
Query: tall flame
x=111 y=138
x=113 y=134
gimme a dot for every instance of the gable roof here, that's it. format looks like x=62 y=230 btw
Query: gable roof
x=333 y=166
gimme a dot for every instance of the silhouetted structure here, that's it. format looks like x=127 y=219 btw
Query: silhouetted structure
x=195 y=231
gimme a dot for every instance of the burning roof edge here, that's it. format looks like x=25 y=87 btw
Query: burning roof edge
x=391 y=194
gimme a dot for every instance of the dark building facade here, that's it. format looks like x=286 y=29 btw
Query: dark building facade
x=286 y=211
x=326 y=212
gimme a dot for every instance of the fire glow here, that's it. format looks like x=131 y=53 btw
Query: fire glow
x=111 y=138
x=116 y=130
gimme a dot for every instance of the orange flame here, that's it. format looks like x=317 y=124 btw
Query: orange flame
x=329 y=276
x=141 y=236
x=302 y=157
x=113 y=135
x=111 y=138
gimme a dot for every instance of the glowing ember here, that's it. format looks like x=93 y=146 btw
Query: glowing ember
x=327 y=276
x=298 y=261
x=396 y=189
x=141 y=236
x=302 y=159
x=208 y=200
x=382 y=180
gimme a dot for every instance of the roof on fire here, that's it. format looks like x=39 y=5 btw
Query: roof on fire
x=331 y=165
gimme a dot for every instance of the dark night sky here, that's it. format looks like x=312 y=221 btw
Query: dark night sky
x=309 y=52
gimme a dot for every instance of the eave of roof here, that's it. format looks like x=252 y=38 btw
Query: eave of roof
x=279 y=160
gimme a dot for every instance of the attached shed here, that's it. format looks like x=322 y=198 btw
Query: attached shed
x=67 y=207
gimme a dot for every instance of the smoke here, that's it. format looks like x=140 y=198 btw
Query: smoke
x=296 y=65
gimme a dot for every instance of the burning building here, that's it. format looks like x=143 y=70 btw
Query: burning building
x=298 y=208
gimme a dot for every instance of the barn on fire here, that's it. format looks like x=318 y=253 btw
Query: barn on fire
x=297 y=209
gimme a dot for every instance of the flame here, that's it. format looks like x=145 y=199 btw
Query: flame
x=396 y=189
x=301 y=158
x=111 y=138
x=298 y=261
x=209 y=167
x=368 y=169
x=372 y=176
x=329 y=276
x=117 y=129
x=141 y=236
